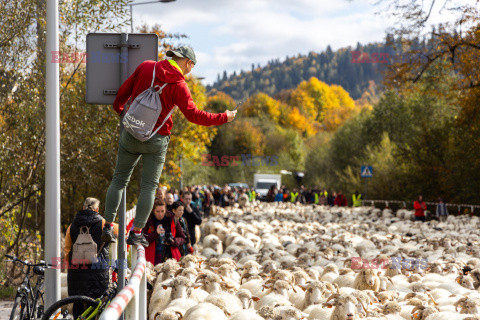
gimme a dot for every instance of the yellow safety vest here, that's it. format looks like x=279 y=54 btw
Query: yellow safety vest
x=316 y=198
x=357 y=201
x=293 y=196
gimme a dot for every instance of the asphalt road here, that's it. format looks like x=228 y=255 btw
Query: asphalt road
x=5 y=309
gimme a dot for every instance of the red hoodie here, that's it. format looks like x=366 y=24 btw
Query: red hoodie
x=175 y=93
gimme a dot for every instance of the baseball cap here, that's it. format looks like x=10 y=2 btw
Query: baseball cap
x=183 y=52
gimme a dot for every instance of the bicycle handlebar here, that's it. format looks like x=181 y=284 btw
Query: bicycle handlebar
x=26 y=263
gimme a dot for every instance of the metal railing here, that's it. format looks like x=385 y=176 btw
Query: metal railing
x=132 y=299
x=404 y=204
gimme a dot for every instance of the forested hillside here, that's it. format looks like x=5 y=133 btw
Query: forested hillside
x=351 y=68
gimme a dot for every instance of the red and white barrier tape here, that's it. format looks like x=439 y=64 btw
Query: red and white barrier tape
x=123 y=298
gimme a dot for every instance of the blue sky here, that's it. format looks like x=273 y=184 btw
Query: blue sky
x=232 y=34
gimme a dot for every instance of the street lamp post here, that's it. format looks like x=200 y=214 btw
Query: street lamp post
x=139 y=3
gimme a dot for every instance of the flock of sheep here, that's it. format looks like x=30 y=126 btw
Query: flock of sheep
x=285 y=262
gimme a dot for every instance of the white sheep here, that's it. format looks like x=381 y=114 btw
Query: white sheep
x=367 y=279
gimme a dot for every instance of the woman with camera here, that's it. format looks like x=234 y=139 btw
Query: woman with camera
x=174 y=234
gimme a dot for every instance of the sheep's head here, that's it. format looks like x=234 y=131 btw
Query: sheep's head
x=190 y=273
x=246 y=298
x=282 y=287
x=370 y=276
x=301 y=277
x=168 y=315
x=305 y=260
x=268 y=266
x=419 y=287
x=283 y=275
x=345 y=306
x=468 y=305
x=422 y=312
x=210 y=281
x=465 y=281
x=314 y=292
x=387 y=296
x=226 y=261
x=167 y=269
x=330 y=268
x=288 y=313
x=384 y=283
x=251 y=267
x=181 y=287
x=190 y=261
x=391 y=308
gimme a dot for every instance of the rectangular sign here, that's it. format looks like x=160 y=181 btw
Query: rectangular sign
x=366 y=172
x=104 y=61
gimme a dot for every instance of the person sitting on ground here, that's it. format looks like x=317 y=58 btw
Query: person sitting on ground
x=155 y=233
x=89 y=280
x=174 y=234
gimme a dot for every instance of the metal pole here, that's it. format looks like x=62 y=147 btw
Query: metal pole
x=181 y=173
x=122 y=257
x=52 y=158
x=131 y=19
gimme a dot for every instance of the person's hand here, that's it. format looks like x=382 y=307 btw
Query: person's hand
x=188 y=208
x=190 y=249
x=230 y=115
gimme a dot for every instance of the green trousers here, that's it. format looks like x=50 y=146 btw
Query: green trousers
x=130 y=150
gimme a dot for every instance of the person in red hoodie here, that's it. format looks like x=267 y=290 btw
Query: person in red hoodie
x=420 y=208
x=340 y=200
x=153 y=151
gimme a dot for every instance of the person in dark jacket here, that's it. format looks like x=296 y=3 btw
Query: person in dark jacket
x=331 y=199
x=192 y=215
x=171 y=74
x=155 y=234
x=174 y=233
x=87 y=279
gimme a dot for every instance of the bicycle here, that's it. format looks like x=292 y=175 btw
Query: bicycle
x=29 y=303
x=93 y=308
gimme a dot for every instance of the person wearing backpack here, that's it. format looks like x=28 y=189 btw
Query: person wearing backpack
x=82 y=245
x=151 y=84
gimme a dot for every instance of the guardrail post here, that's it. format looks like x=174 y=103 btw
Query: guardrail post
x=130 y=295
x=142 y=297
x=131 y=311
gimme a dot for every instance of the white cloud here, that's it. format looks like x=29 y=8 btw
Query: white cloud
x=232 y=34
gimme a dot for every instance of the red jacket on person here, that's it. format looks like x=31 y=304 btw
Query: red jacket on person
x=420 y=208
x=341 y=201
x=175 y=93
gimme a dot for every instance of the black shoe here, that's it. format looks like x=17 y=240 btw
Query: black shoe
x=134 y=239
x=107 y=234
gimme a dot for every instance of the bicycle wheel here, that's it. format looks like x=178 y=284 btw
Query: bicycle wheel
x=20 y=308
x=64 y=309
